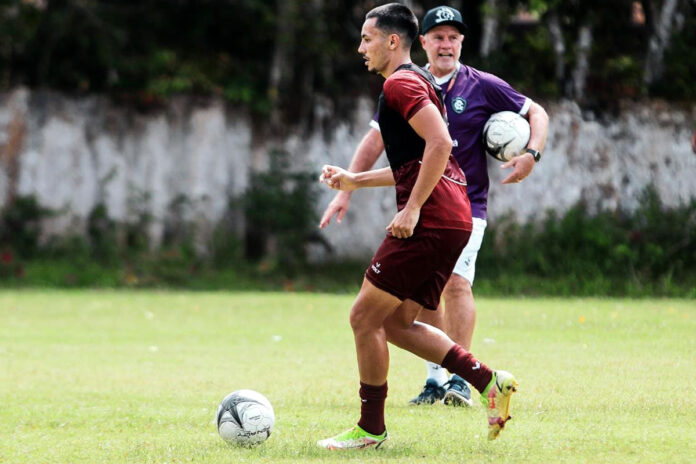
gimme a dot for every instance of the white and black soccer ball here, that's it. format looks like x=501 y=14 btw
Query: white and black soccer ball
x=245 y=418
x=505 y=135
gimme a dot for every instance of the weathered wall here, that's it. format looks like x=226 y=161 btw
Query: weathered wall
x=186 y=160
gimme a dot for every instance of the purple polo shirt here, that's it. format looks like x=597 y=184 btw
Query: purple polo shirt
x=470 y=100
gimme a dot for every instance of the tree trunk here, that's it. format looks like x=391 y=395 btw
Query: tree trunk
x=582 y=64
x=659 y=40
x=554 y=25
x=320 y=66
x=13 y=144
x=282 y=64
x=489 y=35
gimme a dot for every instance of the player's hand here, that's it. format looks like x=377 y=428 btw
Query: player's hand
x=338 y=207
x=338 y=178
x=521 y=166
x=404 y=222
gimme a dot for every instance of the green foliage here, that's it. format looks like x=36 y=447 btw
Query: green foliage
x=20 y=226
x=101 y=233
x=677 y=82
x=621 y=75
x=144 y=52
x=147 y=49
x=649 y=251
x=280 y=214
x=519 y=48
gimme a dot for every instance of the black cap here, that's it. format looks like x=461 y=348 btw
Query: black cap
x=441 y=15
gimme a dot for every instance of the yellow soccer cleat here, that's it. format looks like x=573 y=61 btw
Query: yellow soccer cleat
x=496 y=399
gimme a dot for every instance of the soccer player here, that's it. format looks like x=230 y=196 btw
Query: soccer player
x=471 y=97
x=425 y=237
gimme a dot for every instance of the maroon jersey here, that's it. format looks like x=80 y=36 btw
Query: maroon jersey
x=404 y=94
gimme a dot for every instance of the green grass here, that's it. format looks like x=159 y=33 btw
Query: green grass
x=136 y=377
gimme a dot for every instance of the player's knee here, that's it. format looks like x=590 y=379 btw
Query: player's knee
x=361 y=320
x=355 y=321
x=458 y=287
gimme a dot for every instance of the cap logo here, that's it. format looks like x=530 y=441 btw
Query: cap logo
x=444 y=14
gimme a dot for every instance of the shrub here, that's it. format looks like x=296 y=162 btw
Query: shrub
x=280 y=213
x=649 y=251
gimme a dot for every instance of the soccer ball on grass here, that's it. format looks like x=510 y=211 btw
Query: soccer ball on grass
x=245 y=418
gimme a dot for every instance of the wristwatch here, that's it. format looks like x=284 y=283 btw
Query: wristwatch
x=535 y=153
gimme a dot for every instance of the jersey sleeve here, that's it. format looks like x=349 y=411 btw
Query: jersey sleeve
x=406 y=93
x=374 y=122
x=502 y=97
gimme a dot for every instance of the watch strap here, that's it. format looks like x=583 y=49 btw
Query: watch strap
x=535 y=153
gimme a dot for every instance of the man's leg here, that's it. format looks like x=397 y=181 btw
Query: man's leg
x=458 y=319
x=436 y=375
x=367 y=316
x=434 y=345
x=460 y=314
x=460 y=310
x=370 y=309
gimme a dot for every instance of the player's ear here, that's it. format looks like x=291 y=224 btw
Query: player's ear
x=394 y=41
x=422 y=40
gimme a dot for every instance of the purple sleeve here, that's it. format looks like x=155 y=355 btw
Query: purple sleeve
x=374 y=123
x=500 y=96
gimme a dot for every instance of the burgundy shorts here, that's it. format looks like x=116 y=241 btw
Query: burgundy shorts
x=417 y=268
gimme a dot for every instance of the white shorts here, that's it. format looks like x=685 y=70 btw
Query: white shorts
x=466 y=264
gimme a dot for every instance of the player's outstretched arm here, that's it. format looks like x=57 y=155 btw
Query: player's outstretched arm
x=340 y=179
x=522 y=165
x=365 y=156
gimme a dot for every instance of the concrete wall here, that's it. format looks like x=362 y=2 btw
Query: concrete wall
x=184 y=162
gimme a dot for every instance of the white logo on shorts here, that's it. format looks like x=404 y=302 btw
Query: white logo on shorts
x=375 y=268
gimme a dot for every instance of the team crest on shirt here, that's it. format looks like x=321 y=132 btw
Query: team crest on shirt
x=458 y=105
x=444 y=14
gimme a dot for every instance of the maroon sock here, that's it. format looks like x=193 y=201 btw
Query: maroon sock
x=372 y=408
x=463 y=363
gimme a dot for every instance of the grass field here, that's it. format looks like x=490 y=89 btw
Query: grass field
x=136 y=377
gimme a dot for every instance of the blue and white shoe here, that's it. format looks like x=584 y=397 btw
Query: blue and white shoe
x=432 y=393
x=457 y=392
